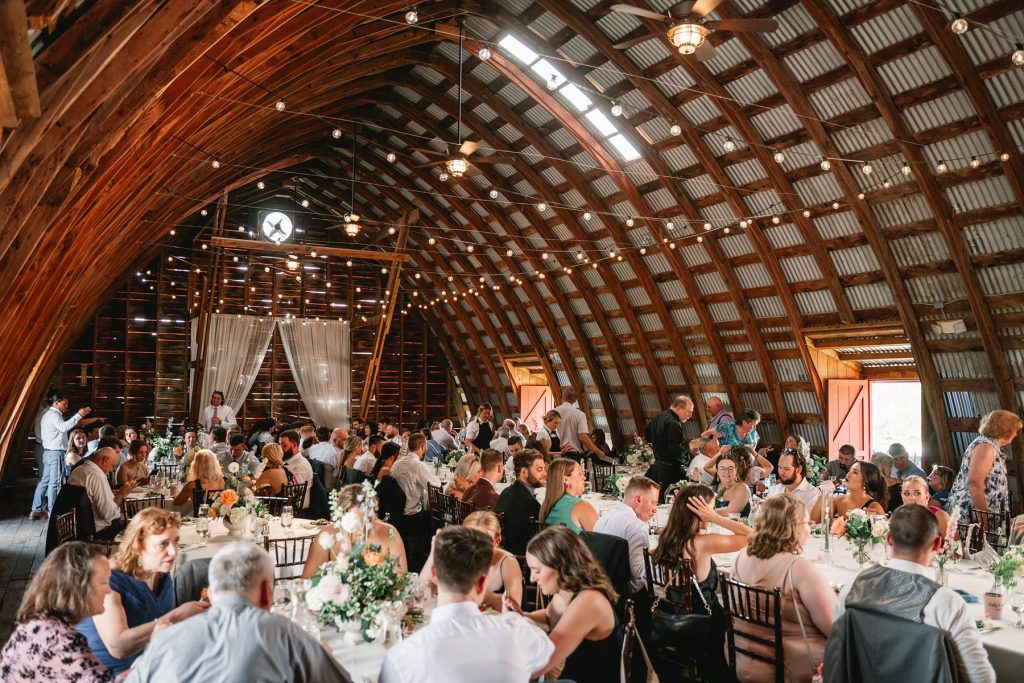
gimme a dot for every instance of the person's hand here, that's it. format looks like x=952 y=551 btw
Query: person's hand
x=565 y=449
x=129 y=486
x=186 y=610
x=509 y=604
x=702 y=508
x=766 y=450
x=84 y=411
x=215 y=420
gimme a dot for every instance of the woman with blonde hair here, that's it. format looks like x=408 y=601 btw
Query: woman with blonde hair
x=772 y=560
x=204 y=475
x=467 y=471
x=549 y=432
x=141 y=601
x=505 y=574
x=275 y=475
x=77 y=443
x=350 y=450
x=70 y=586
x=580 y=616
x=915 y=492
x=981 y=482
x=562 y=503
x=333 y=542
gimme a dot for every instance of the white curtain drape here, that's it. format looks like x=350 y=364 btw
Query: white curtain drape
x=319 y=356
x=234 y=354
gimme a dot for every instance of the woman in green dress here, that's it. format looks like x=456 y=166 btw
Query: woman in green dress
x=562 y=502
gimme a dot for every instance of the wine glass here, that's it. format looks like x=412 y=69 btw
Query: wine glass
x=281 y=597
x=203 y=528
x=287 y=516
x=1016 y=599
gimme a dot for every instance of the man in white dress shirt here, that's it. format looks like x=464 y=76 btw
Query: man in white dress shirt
x=329 y=448
x=628 y=519
x=792 y=467
x=92 y=475
x=461 y=645
x=500 y=442
x=443 y=435
x=294 y=462
x=914 y=538
x=573 y=430
x=413 y=475
x=53 y=433
x=366 y=462
x=217 y=413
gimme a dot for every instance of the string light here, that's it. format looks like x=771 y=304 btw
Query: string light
x=670 y=225
x=1004 y=156
x=707 y=225
x=779 y=157
x=942 y=167
x=305 y=203
x=975 y=163
x=443 y=176
x=866 y=168
x=336 y=133
x=484 y=54
x=586 y=215
x=675 y=129
x=392 y=157
x=1018 y=55
x=729 y=145
x=261 y=185
x=493 y=194
x=204 y=212
x=279 y=105
x=412 y=17
x=825 y=164
x=959 y=25
x=542 y=207
x=629 y=222
x=215 y=163
x=906 y=169
x=616 y=109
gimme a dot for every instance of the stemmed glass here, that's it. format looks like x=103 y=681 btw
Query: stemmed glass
x=281 y=597
x=287 y=516
x=1016 y=599
x=203 y=529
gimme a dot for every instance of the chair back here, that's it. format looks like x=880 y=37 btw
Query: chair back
x=533 y=598
x=628 y=640
x=172 y=470
x=131 y=506
x=993 y=527
x=66 y=526
x=296 y=493
x=455 y=510
x=274 y=504
x=435 y=496
x=601 y=474
x=289 y=554
x=351 y=475
x=746 y=606
x=665 y=574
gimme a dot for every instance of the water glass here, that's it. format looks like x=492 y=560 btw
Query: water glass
x=281 y=597
x=203 y=528
x=287 y=516
x=1016 y=599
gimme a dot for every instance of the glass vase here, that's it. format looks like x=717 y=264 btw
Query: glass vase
x=861 y=552
x=942 y=574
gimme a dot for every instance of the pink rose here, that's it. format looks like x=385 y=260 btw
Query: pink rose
x=329 y=585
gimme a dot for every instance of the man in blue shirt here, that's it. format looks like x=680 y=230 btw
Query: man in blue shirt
x=902 y=467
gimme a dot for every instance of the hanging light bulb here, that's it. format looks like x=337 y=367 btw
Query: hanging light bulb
x=586 y=215
x=975 y=163
x=906 y=169
x=279 y=105
x=391 y=230
x=261 y=185
x=508 y=252
x=484 y=54
x=443 y=176
x=825 y=164
x=542 y=207
x=807 y=213
x=392 y=157
x=707 y=225
x=700 y=238
x=336 y=133
x=215 y=163
x=629 y=222
x=305 y=203
x=670 y=225
x=432 y=241
x=860 y=195
x=775 y=220
x=676 y=129
x=616 y=109
x=470 y=248
x=779 y=157
x=866 y=168
x=941 y=167
x=204 y=212
x=553 y=83
x=579 y=256
x=729 y=145
x=1004 y=157
x=887 y=184
x=1018 y=55
x=835 y=205
x=493 y=194
x=726 y=231
x=959 y=25
x=411 y=17
x=743 y=224
x=544 y=256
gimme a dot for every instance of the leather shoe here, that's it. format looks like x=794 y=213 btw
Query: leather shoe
x=38 y=515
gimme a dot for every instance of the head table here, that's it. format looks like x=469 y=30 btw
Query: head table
x=1004 y=644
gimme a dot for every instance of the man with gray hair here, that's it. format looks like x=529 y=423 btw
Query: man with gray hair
x=902 y=467
x=443 y=435
x=237 y=640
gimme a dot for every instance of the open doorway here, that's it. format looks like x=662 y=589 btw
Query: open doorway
x=896 y=416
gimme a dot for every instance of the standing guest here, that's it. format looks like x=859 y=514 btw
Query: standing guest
x=413 y=475
x=443 y=435
x=217 y=413
x=981 y=482
x=838 y=468
x=204 y=475
x=237 y=640
x=740 y=433
x=333 y=542
x=480 y=429
x=247 y=462
x=517 y=502
x=461 y=645
x=500 y=441
x=628 y=519
x=665 y=434
x=902 y=466
x=125 y=435
x=940 y=481
x=572 y=429
x=71 y=585
x=141 y=600
x=136 y=467
x=76 y=449
x=368 y=459
x=482 y=495
x=717 y=412
x=915 y=492
x=793 y=479
x=467 y=472
x=562 y=502
x=867 y=492
x=219 y=445
x=273 y=477
x=91 y=474
x=686 y=537
x=37 y=432
x=772 y=559
x=580 y=617
x=902 y=588
x=549 y=434
x=54 y=430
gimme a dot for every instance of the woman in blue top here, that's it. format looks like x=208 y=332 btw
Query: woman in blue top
x=141 y=601
x=562 y=502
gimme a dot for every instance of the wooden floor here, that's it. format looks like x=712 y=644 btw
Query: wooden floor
x=21 y=548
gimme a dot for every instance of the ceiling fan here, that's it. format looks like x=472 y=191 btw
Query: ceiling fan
x=688 y=30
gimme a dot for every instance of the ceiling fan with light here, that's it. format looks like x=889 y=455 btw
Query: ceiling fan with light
x=688 y=29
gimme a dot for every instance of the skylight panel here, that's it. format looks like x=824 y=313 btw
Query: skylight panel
x=576 y=97
x=518 y=50
x=627 y=150
x=547 y=71
x=601 y=122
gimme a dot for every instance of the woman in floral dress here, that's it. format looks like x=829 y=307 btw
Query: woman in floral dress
x=981 y=482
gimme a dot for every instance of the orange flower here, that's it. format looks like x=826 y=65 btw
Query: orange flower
x=228 y=497
x=372 y=558
x=211 y=513
x=247 y=478
x=839 y=526
x=177 y=451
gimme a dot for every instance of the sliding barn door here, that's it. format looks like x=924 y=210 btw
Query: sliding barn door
x=849 y=416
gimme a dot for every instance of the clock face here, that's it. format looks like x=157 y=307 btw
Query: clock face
x=277 y=227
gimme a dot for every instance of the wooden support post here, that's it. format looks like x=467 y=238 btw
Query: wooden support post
x=207 y=304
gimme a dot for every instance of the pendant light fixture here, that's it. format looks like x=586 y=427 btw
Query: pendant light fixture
x=457 y=166
x=352 y=226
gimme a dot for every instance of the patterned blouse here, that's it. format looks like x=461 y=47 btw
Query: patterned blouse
x=49 y=650
x=997 y=488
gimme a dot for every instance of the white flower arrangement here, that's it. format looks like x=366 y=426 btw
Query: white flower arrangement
x=880 y=528
x=233 y=468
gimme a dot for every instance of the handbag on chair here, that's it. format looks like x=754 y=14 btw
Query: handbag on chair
x=672 y=624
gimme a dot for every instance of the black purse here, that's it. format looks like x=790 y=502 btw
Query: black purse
x=673 y=625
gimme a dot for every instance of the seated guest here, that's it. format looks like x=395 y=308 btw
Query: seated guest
x=297 y=467
x=482 y=495
x=915 y=492
x=135 y=467
x=188 y=449
x=838 y=468
x=505 y=574
x=516 y=444
x=467 y=472
x=732 y=495
x=902 y=466
x=307 y=439
x=701 y=451
x=338 y=542
x=756 y=465
x=940 y=481
x=461 y=645
x=219 y=443
x=539 y=445
x=261 y=434
x=125 y=435
x=365 y=462
x=902 y=589
x=792 y=479
x=883 y=461
x=500 y=441
x=351 y=449
x=386 y=457
x=580 y=616
x=247 y=462
x=867 y=491
x=274 y=477
x=685 y=537
x=104 y=432
x=68 y=587
x=601 y=441
x=435 y=451
x=413 y=475
x=562 y=502
x=204 y=475
x=517 y=502
x=237 y=636
x=91 y=474
x=328 y=447
x=76 y=449
x=142 y=591
x=628 y=519
x=772 y=559
x=443 y=435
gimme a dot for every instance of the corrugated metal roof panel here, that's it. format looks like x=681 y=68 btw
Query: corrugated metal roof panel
x=814 y=303
x=790 y=370
x=756 y=400
x=813 y=61
x=814 y=434
x=918 y=249
x=1006 y=279
x=781 y=236
x=800 y=269
x=701 y=186
x=728 y=348
x=887 y=29
x=699 y=111
x=746 y=371
x=707 y=373
x=672 y=374
x=980 y=194
x=913 y=70
x=952 y=106
x=959 y=149
x=801 y=402
x=729 y=54
x=899 y=211
x=855 y=260
x=995 y=237
x=679 y=157
x=875 y=295
x=780 y=345
x=818 y=189
x=649 y=322
x=766 y=307
x=753 y=275
x=684 y=317
x=710 y=283
x=962 y=365
x=745 y=172
x=723 y=312
x=751 y=87
x=591 y=330
x=735 y=245
x=853 y=139
x=777 y=122
x=637 y=296
x=656 y=262
x=648 y=53
x=838 y=99
x=1005 y=88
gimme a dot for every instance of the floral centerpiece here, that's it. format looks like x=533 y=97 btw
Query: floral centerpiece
x=950 y=547
x=164 y=446
x=861 y=531
x=234 y=508
x=453 y=458
x=233 y=481
x=640 y=452
x=817 y=469
x=363 y=584
x=617 y=483
x=1004 y=570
